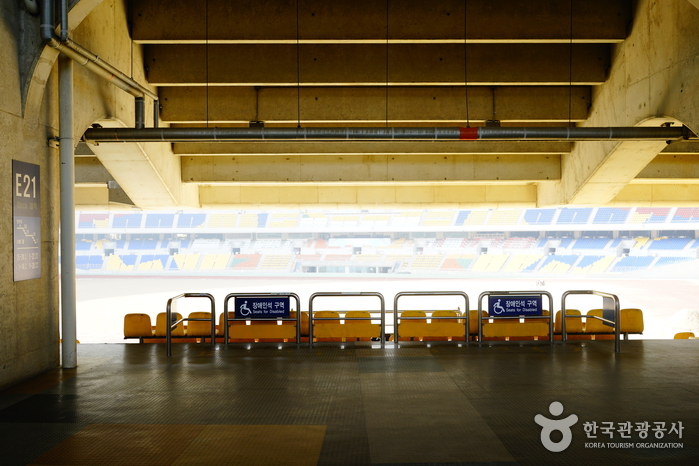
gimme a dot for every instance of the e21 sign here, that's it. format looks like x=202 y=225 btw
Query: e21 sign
x=26 y=219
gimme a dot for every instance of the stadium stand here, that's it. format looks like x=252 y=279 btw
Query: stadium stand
x=504 y=217
x=283 y=220
x=126 y=220
x=489 y=262
x=457 y=262
x=558 y=263
x=538 y=216
x=426 y=262
x=590 y=243
x=93 y=220
x=663 y=261
x=650 y=215
x=153 y=262
x=222 y=220
x=593 y=264
x=245 y=261
x=574 y=216
x=276 y=262
x=686 y=215
x=191 y=220
x=159 y=220
x=611 y=215
x=461 y=217
x=632 y=263
x=438 y=218
x=669 y=243
x=522 y=262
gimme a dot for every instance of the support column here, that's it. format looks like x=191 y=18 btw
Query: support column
x=68 y=313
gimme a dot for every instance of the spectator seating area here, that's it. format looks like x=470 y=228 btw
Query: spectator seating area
x=287 y=220
x=353 y=326
x=515 y=255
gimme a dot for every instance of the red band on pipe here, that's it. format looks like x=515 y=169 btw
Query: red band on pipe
x=468 y=133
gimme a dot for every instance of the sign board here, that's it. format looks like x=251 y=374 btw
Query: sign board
x=26 y=219
x=266 y=307
x=608 y=310
x=512 y=306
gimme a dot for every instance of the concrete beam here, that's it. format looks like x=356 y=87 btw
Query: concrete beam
x=372 y=148
x=675 y=194
x=147 y=173
x=667 y=166
x=365 y=64
x=426 y=105
x=366 y=20
x=371 y=168
x=338 y=195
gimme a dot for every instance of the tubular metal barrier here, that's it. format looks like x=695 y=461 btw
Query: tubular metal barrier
x=541 y=294
x=397 y=319
x=347 y=294
x=169 y=324
x=227 y=319
x=608 y=306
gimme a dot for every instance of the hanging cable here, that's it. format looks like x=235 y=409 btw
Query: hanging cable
x=468 y=119
x=298 y=70
x=386 y=97
x=570 y=71
x=206 y=26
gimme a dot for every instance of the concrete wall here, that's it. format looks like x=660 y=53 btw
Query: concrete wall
x=29 y=310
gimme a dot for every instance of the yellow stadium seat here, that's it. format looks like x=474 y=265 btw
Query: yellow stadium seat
x=473 y=321
x=327 y=330
x=137 y=326
x=573 y=324
x=445 y=329
x=595 y=325
x=631 y=321
x=199 y=328
x=361 y=330
x=684 y=335
x=410 y=329
x=160 y=329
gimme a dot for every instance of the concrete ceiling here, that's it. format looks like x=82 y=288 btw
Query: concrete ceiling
x=386 y=63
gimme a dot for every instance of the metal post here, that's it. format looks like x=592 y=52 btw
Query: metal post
x=68 y=314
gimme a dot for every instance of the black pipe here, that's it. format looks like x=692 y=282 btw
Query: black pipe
x=639 y=133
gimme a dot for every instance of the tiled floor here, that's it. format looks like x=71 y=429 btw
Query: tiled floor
x=414 y=405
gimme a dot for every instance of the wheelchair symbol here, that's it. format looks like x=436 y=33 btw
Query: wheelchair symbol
x=244 y=310
x=497 y=306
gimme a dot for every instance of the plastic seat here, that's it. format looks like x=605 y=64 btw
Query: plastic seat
x=445 y=329
x=412 y=329
x=137 y=326
x=573 y=324
x=684 y=335
x=593 y=326
x=631 y=321
x=160 y=328
x=327 y=330
x=305 y=322
x=511 y=328
x=473 y=321
x=199 y=328
x=361 y=330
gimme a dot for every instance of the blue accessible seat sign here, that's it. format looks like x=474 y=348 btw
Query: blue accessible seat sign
x=512 y=306
x=256 y=308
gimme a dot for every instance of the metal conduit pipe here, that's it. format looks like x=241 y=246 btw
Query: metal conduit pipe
x=84 y=57
x=140 y=112
x=64 y=20
x=101 y=135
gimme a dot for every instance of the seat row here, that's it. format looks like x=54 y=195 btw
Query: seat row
x=329 y=326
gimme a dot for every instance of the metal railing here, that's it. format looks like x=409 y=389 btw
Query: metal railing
x=397 y=319
x=169 y=324
x=297 y=319
x=612 y=306
x=346 y=294
x=514 y=293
